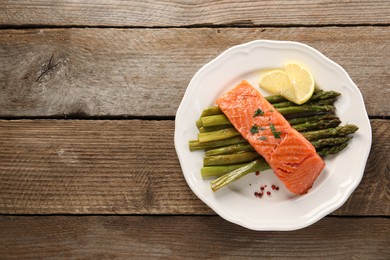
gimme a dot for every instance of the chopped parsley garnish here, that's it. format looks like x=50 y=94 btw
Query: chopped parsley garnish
x=254 y=129
x=258 y=112
x=274 y=132
x=262 y=138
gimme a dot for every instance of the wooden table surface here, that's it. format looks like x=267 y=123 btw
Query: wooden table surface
x=86 y=85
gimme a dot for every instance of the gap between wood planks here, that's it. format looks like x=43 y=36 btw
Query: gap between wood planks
x=114 y=117
x=244 y=24
x=86 y=117
x=168 y=215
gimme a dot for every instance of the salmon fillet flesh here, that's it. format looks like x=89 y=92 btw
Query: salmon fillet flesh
x=291 y=156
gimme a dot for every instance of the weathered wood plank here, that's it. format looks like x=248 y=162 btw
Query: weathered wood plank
x=124 y=167
x=140 y=72
x=184 y=13
x=373 y=190
x=187 y=237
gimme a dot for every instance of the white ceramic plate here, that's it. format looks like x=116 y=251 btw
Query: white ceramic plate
x=282 y=210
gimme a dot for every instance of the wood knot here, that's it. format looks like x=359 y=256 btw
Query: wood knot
x=47 y=69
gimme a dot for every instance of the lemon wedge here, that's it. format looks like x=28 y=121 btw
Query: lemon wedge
x=295 y=83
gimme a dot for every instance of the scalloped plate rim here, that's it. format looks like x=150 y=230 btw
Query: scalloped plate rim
x=238 y=218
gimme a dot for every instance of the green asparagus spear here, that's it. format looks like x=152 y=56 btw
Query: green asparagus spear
x=257 y=165
x=331 y=149
x=322 y=95
x=217 y=135
x=305 y=110
x=219 y=170
x=323 y=124
x=215 y=120
x=210 y=111
x=332 y=141
x=225 y=159
x=321 y=102
x=330 y=132
x=235 y=148
x=204 y=129
x=196 y=145
x=198 y=123
x=275 y=99
x=300 y=120
x=278 y=98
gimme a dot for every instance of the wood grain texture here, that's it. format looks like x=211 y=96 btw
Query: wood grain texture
x=181 y=237
x=124 y=167
x=374 y=189
x=144 y=72
x=51 y=166
x=186 y=13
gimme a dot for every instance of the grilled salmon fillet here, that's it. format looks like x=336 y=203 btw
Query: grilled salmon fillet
x=293 y=158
